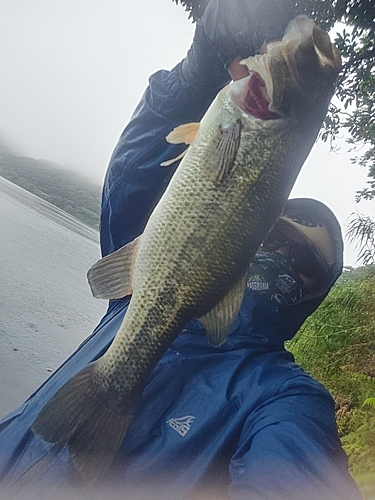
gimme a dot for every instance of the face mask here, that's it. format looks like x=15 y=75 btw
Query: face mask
x=272 y=275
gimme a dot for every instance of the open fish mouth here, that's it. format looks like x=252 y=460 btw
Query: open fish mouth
x=250 y=94
x=256 y=101
x=283 y=77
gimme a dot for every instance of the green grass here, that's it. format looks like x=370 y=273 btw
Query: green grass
x=337 y=346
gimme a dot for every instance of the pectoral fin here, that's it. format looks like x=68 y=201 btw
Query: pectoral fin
x=111 y=276
x=219 y=320
x=226 y=150
x=183 y=134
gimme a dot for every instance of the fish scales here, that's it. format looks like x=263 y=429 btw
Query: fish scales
x=192 y=259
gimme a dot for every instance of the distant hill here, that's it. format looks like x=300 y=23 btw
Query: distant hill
x=67 y=190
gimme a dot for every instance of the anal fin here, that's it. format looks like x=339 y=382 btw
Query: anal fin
x=111 y=276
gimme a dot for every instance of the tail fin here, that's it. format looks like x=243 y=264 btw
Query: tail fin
x=89 y=420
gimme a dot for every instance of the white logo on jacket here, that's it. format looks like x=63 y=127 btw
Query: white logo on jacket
x=181 y=425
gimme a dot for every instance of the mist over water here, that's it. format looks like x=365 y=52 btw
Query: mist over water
x=46 y=307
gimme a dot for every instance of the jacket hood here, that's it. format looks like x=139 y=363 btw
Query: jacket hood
x=275 y=323
x=264 y=322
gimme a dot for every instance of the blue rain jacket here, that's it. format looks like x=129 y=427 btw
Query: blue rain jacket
x=240 y=421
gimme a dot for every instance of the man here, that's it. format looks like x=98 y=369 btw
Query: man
x=241 y=420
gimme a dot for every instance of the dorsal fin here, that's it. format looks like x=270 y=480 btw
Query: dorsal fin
x=219 y=320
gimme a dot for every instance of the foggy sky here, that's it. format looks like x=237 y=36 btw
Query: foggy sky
x=73 y=71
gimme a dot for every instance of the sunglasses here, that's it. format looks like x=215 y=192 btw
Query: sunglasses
x=288 y=242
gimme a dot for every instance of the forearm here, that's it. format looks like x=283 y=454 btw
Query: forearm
x=229 y=29
x=290 y=449
x=285 y=462
x=135 y=180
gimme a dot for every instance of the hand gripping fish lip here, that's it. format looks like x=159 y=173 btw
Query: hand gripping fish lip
x=277 y=76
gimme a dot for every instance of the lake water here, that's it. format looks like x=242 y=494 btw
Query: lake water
x=46 y=307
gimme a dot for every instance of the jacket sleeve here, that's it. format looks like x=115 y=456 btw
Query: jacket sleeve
x=135 y=180
x=291 y=450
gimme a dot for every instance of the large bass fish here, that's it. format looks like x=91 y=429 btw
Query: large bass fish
x=192 y=259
